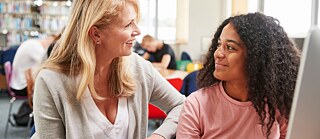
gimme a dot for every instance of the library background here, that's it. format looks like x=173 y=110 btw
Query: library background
x=24 y=19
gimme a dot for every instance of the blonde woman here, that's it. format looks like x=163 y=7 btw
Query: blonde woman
x=93 y=86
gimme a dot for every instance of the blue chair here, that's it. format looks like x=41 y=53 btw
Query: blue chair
x=7 y=55
x=185 y=56
x=189 y=84
x=33 y=130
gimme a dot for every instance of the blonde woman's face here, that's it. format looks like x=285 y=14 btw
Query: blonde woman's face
x=118 y=38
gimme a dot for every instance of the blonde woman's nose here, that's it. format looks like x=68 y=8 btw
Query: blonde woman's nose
x=136 y=30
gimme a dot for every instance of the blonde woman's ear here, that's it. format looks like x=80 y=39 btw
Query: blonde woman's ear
x=94 y=34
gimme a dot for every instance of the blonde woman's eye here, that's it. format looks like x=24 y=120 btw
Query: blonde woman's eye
x=129 y=24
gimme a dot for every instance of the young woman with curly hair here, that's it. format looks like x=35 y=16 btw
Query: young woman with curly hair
x=247 y=82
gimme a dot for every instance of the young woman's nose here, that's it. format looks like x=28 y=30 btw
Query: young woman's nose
x=219 y=53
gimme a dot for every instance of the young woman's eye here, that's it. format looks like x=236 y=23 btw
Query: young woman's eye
x=219 y=44
x=230 y=47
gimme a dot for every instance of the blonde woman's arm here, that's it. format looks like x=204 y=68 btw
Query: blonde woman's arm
x=48 y=121
x=167 y=98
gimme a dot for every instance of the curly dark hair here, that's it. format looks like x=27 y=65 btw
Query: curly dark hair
x=272 y=65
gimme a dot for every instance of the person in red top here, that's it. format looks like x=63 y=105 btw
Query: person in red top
x=247 y=82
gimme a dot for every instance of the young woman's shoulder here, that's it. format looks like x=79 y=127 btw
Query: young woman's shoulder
x=205 y=94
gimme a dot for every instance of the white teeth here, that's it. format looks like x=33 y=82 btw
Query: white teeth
x=130 y=42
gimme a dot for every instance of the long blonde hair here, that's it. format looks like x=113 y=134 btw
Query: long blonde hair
x=74 y=55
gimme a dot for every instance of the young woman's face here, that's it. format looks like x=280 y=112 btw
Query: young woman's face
x=230 y=56
x=118 y=38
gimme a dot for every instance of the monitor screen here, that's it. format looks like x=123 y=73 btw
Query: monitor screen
x=304 y=121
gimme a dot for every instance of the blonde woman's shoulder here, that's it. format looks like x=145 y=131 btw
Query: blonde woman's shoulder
x=50 y=74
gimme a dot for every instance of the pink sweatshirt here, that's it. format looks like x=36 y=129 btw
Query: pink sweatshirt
x=211 y=114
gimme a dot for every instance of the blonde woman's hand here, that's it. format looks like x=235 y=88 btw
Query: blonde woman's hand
x=155 y=136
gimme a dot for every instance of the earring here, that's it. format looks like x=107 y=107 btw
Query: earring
x=98 y=42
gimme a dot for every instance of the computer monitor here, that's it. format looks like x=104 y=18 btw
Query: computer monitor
x=304 y=121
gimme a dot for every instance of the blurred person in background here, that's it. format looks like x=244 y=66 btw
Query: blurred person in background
x=159 y=53
x=51 y=46
x=29 y=55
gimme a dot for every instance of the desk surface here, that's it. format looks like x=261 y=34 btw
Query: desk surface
x=169 y=74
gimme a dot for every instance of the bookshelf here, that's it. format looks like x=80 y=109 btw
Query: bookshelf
x=24 y=19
